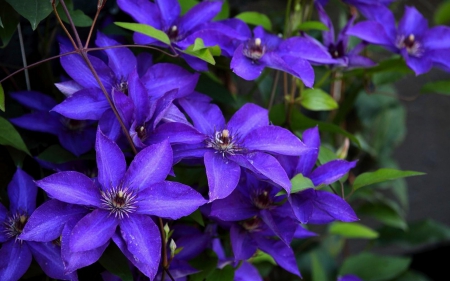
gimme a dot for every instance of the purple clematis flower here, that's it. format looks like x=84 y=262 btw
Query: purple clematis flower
x=165 y=15
x=246 y=141
x=16 y=253
x=318 y=206
x=124 y=198
x=74 y=135
x=420 y=46
x=339 y=48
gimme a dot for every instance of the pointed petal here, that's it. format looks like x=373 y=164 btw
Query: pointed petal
x=245 y=67
x=16 y=258
x=151 y=165
x=302 y=233
x=124 y=106
x=143 y=240
x=296 y=66
x=83 y=105
x=78 y=142
x=370 y=31
x=22 y=192
x=48 y=256
x=437 y=37
x=207 y=118
x=170 y=11
x=235 y=207
x=139 y=96
x=169 y=200
x=109 y=125
x=142 y=11
x=307 y=48
x=418 y=65
x=120 y=60
x=144 y=61
x=189 y=151
x=247 y=272
x=412 y=22
x=223 y=175
x=68 y=88
x=328 y=36
x=274 y=139
x=311 y=138
x=3 y=216
x=93 y=231
x=47 y=221
x=110 y=161
x=331 y=171
x=268 y=166
x=302 y=204
x=34 y=100
x=200 y=13
x=243 y=246
x=332 y=205
x=176 y=133
x=46 y=122
x=249 y=117
x=71 y=187
x=382 y=15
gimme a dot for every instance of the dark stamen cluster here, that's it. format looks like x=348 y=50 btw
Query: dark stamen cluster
x=141 y=132
x=72 y=124
x=15 y=224
x=122 y=86
x=254 y=49
x=252 y=224
x=223 y=142
x=412 y=45
x=336 y=51
x=172 y=33
x=119 y=201
x=261 y=198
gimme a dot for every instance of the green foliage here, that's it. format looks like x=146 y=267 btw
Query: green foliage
x=326 y=155
x=186 y=5
x=206 y=263
x=78 y=17
x=115 y=262
x=387 y=214
x=256 y=18
x=56 y=154
x=277 y=114
x=8 y=23
x=9 y=136
x=224 y=274
x=33 y=10
x=318 y=271
x=371 y=267
x=382 y=175
x=442 y=13
x=199 y=50
x=2 y=98
x=312 y=25
x=352 y=230
x=197 y=217
x=316 y=99
x=299 y=183
x=224 y=12
x=436 y=87
x=147 y=30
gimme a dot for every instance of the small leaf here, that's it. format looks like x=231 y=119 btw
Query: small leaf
x=352 y=230
x=56 y=154
x=9 y=136
x=206 y=263
x=199 y=50
x=437 y=87
x=32 y=10
x=261 y=256
x=277 y=114
x=78 y=17
x=316 y=99
x=256 y=18
x=385 y=214
x=224 y=274
x=371 y=267
x=312 y=25
x=224 y=12
x=318 y=270
x=442 y=14
x=326 y=155
x=186 y=5
x=9 y=19
x=299 y=183
x=382 y=175
x=145 y=29
x=197 y=217
x=2 y=98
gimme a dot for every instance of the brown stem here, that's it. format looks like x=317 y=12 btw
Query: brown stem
x=274 y=87
x=72 y=25
x=62 y=25
x=100 y=5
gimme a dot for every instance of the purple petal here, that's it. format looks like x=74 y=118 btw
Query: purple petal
x=34 y=100
x=207 y=118
x=331 y=172
x=349 y=277
x=142 y=11
x=437 y=37
x=195 y=63
x=151 y=165
x=68 y=88
x=77 y=68
x=307 y=48
x=311 y=138
x=83 y=105
x=303 y=205
x=110 y=162
x=16 y=258
x=244 y=67
x=334 y=206
x=328 y=36
x=169 y=200
x=268 y=166
x=71 y=187
x=176 y=133
x=302 y=233
x=247 y=118
x=78 y=142
x=372 y=32
x=46 y=122
x=200 y=13
x=235 y=207
x=109 y=125
x=124 y=106
x=243 y=246
x=359 y=61
x=189 y=151
x=412 y=22
x=139 y=96
x=170 y=11
x=223 y=175
x=144 y=61
x=75 y=260
x=22 y=193
x=247 y=272
x=143 y=240
x=117 y=56
x=270 y=40
x=281 y=253
x=93 y=231
x=418 y=65
x=296 y=66
x=47 y=221
x=274 y=139
x=3 y=215
x=48 y=256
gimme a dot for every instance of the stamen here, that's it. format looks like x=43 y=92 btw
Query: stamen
x=258 y=42
x=254 y=49
x=119 y=201
x=14 y=225
x=223 y=142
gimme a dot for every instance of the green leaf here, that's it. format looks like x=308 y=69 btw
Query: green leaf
x=277 y=114
x=2 y=98
x=261 y=256
x=9 y=20
x=206 y=263
x=382 y=175
x=299 y=183
x=371 y=267
x=197 y=217
x=412 y=276
x=9 y=136
x=56 y=154
x=224 y=12
x=442 y=14
x=199 y=50
x=318 y=270
x=437 y=87
x=326 y=155
x=316 y=99
x=186 y=5
x=115 y=262
x=32 y=10
x=146 y=30
x=224 y=274
x=256 y=18
x=78 y=17
x=312 y=25
x=384 y=213
x=352 y=230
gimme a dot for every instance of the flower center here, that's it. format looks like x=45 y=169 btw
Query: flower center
x=122 y=86
x=15 y=224
x=141 y=132
x=336 y=51
x=252 y=224
x=223 y=142
x=119 y=201
x=413 y=47
x=261 y=198
x=72 y=124
x=254 y=49
x=173 y=33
